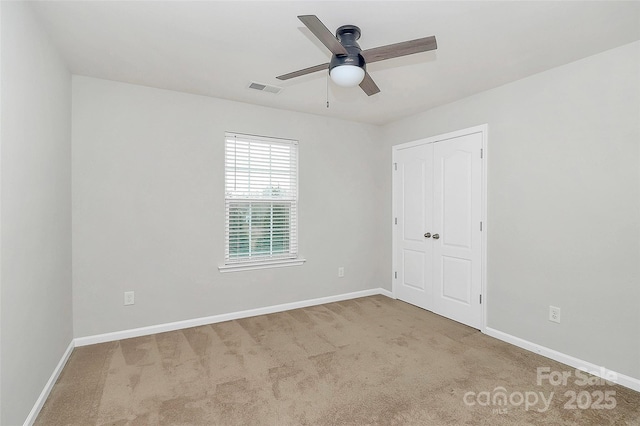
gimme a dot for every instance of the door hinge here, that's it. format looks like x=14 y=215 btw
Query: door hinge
x=396 y=275
x=481 y=299
x=480 y=226
x=396 y=220
x=395 y=166
x=481 y=153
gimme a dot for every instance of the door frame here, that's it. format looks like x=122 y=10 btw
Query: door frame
x=483 y=129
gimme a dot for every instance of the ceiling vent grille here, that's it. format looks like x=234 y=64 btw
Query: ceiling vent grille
x=264 y=87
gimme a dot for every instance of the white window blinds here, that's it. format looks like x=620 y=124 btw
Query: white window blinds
x=261 y=197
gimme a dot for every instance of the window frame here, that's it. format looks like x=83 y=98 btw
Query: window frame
x=263 y=261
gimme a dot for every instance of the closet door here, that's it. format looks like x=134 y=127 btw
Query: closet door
x=457 y=212
x=413 y=191
x=437 y=196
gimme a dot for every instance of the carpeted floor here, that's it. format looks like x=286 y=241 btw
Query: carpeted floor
x=365 y=361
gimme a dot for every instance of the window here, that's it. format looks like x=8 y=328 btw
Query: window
x=261 y=202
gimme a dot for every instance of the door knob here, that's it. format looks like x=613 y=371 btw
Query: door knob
x=436 y=236
x=427 y=235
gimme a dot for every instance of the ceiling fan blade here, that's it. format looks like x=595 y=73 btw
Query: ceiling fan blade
x=368 y=85
x=323 y=34
x=400 y=49
x=303 y=72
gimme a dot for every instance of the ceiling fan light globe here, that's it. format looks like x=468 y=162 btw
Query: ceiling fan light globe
x=347 y=75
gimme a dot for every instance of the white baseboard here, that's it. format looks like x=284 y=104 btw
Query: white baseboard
x=178 y=325
x=31 y=418
x=385 y=292
x=596 y=370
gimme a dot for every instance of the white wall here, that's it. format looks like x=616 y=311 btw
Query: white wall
x=35 y=175
x=148 y=206
x=563 y=203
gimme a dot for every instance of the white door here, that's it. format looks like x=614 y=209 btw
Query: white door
x=438 y=240
x=457 y=212
x=413 y=188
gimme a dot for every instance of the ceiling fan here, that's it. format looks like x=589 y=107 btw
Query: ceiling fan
x=348 y=61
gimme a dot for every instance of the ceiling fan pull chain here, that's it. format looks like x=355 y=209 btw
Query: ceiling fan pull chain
x=327 y=90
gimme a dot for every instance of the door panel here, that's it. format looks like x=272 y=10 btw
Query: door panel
x=457 y=212
x=413 y=219
x=456 y=198
x=412 y=189
x=456 y=279
x=414 y=270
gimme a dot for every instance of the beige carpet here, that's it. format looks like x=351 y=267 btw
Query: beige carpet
x=366 y=361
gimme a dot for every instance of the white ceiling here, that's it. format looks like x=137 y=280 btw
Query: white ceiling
x=216 y=48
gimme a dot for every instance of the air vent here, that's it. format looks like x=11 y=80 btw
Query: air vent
x=264 y=87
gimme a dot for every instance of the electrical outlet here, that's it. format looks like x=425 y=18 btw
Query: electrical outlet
x=129 y=298
x=554 y=314
x=341 y=272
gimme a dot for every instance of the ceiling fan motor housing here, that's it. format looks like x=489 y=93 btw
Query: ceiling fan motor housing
x=348 y=36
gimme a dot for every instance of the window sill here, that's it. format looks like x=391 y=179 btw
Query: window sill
x=249 y=266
